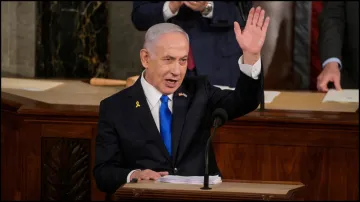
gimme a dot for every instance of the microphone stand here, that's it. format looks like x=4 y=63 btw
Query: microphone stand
x=206 y=175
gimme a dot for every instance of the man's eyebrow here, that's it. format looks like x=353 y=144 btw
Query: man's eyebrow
x=168 y=56
x=171 y=57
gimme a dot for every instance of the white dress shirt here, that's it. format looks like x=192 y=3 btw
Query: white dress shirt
x=153 y=95
x=153 y=99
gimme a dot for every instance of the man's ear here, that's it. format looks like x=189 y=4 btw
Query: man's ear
x=144 y=57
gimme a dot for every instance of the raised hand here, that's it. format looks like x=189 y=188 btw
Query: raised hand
x=252 y=37
x=175 y=6
x=196 y=5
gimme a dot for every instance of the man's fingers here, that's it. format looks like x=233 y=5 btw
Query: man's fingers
x=323 y=82
x=155 y=176
x=237 y=28
x=194 y=5
x=260 y=22
x=337 y=83
x=265 y=26
x=256 y=16
x=188 y=4
x=250 y=17
x=163 y=173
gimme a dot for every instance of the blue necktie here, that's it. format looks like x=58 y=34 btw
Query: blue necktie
x=165 y=122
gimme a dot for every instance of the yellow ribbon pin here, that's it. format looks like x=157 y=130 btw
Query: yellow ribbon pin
x=137 y=104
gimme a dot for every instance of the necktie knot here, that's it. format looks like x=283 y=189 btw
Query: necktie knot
x=164 y=99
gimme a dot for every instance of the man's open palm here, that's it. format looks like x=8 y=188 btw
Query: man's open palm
x=252 y=37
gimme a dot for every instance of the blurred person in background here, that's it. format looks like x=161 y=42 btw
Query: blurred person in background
x=339 y=45
x=210 y=25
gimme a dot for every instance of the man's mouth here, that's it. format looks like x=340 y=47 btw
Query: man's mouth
x=171 y=82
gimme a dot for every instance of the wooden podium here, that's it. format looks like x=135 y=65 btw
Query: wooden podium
x=233 y=190
x=297 y=138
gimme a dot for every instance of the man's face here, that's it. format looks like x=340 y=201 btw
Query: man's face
x=167 y=63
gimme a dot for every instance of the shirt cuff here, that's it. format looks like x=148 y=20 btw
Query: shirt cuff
x=210 y=15
x=128 y=176
x=252 y=71
x=167 y=12
x=334 y=59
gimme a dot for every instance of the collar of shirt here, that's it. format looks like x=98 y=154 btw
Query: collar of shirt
x=151 y=93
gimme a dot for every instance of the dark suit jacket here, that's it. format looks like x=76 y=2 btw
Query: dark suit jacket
x=339 y=37
x=129 y=139
x=214 y=46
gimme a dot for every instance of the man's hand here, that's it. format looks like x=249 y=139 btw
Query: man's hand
x=175 y=6
x=330 y=73
x=252 y=38
x=147 y=175
x=196 y=5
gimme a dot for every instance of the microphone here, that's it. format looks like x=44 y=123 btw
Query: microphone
x=218 y=117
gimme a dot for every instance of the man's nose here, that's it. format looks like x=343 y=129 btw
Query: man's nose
x=175 y=70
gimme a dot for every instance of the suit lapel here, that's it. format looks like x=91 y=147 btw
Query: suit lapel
x=143 y=113
x=180 y=107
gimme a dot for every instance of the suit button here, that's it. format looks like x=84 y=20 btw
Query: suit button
x=175 y=170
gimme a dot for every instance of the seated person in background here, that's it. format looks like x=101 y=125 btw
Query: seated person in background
x=214 y=51
x=339 y=45
x=160 y=125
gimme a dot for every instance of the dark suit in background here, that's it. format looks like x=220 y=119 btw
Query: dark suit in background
x=213 y=43
x=128 y=138
x=339 y=38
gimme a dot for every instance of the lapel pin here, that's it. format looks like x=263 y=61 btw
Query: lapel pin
x=137 y=104
x=182 y=94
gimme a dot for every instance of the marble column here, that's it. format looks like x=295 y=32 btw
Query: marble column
x=72 y=39
x=18 y=38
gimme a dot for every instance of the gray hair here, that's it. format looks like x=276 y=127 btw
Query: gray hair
x=155 y=31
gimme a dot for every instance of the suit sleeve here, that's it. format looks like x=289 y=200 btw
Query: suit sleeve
x=244 y=99
x=331 y=30
x=109 y=172
x=146 y=14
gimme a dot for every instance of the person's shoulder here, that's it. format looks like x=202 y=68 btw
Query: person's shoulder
x=117 y=98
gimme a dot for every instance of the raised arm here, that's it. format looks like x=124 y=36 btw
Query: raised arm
x=246 y=96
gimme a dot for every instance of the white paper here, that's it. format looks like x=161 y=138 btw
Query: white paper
x=176 y=179
x=28 y=84
x=269 y=95
x=32 y=89
x=346 y=95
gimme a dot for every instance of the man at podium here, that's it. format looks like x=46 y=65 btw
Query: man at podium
x=160 y=125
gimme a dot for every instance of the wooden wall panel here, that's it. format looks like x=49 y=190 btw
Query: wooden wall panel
x=328 y=173
x=65 y=169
